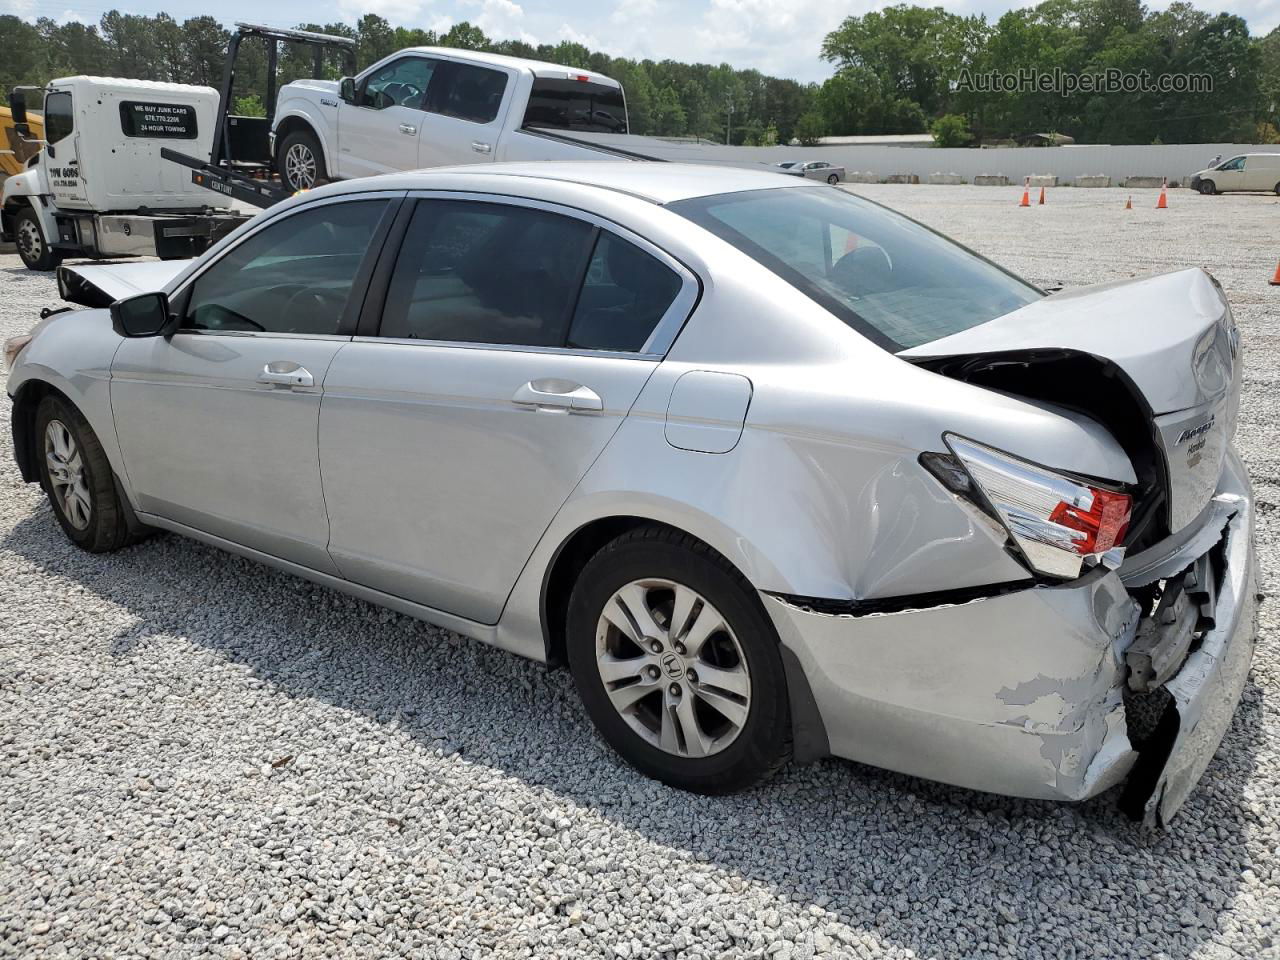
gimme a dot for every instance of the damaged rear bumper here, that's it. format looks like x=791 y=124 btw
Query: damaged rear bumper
x=1024 y=693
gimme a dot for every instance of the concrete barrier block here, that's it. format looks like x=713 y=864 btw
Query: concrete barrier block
x=1096 y=180
x=991 y=180
x=858 y=176
x=1043 y=180
x=947 y=178
x=1144 y=182
x=902 y=178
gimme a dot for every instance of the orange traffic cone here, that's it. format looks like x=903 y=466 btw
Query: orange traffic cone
x=1275 y=281
x=1163 y=202
x=1128 y=204
x=1026 y=194
x=1042 y=196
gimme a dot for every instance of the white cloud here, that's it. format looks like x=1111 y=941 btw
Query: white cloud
x=396 y=11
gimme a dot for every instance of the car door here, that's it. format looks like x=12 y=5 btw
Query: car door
x=378 y=132
x=1230 y=175
x=466 y=107
x=61 y=158
x=218 y=422
x=511 y=342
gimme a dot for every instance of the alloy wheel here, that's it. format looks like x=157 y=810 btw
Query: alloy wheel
x=300 y=167
x=672 y=668
x=66 y=474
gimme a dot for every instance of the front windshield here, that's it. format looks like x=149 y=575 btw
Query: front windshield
x=891 y=279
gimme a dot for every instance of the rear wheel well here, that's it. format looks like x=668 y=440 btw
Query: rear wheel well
x=585 y=542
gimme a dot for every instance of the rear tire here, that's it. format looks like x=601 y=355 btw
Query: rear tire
x=300 y=161
x=1277 y=189
x=77 y=478
x=833 y=179
x=1208 y=188
x=33 y=245
x=716 y=717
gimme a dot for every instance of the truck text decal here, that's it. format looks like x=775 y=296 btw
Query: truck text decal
x=173 y=121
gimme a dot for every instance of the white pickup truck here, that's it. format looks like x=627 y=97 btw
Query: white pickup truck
x=434 y=106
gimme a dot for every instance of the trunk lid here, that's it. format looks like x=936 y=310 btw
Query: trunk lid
x=1170 y=340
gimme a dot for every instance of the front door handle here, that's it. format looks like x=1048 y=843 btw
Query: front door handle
x=408 y=129
x=481 y=147
x=286 y=373
x=552 y=394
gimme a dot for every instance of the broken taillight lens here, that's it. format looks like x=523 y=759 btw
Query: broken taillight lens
x=1057 y=522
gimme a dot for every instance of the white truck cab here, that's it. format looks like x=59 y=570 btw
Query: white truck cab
x=436 y=106
x=98 y=187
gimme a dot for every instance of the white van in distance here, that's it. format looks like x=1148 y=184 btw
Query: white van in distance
x=1256 y=172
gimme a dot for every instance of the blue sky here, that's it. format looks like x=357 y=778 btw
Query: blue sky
x=776 y=36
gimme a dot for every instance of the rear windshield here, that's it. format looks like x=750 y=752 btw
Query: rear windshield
x=567 y=104
x=891 y=279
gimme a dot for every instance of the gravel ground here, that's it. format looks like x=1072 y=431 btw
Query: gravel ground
x=200 y=756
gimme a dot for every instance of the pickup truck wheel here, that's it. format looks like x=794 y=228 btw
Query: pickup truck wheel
x=300 y=161
x=32 y=246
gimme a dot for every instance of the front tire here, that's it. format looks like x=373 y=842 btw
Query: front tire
x=677 y=663
x=77 y=477
x=33 y=245
x=300 y=161
x=1208 y=188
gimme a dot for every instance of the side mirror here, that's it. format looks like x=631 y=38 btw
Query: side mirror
x=146 y=315
x=347 y=90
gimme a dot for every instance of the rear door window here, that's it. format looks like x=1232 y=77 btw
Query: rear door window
x=625 y=294
x=474 y=272
x=467 y=92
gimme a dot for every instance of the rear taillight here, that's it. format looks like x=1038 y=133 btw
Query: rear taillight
x=1057 y=522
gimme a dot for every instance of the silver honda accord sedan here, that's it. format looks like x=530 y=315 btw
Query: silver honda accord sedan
x=776 y=472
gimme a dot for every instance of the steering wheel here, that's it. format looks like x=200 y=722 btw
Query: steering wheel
x=863 y=270
x=314 y=302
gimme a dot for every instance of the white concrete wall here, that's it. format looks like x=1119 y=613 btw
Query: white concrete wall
x=1175 y=161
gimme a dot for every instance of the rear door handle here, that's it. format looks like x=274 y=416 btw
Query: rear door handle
x=553 y=394
x=286 y=373
x=408 y=129
x=481 y=147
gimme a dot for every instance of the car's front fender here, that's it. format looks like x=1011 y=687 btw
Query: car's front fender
x=323 y=122
x=71 y=353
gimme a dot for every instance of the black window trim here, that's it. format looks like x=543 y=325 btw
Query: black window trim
x=360 y=283
x=655 y=348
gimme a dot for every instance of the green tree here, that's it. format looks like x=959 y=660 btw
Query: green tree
x=810 y=128
x=950 y=130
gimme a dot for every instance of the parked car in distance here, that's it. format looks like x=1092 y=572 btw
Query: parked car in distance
x=812 y=169
x=1255 y=172
x=435 y=106
x=777 y=472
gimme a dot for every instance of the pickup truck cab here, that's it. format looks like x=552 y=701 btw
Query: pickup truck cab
x=437 y=106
